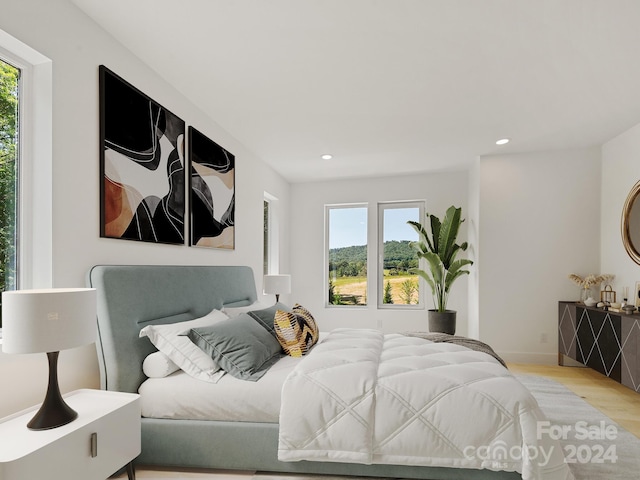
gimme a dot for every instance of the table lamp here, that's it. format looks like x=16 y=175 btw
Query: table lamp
x=277 y=284
x=49 y=320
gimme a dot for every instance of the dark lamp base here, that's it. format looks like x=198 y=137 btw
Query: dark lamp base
x=54 y=412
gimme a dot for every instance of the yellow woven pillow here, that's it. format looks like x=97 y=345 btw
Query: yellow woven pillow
x=296 y=331
x=300 y=310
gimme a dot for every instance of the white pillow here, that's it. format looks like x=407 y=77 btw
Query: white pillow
x=158 y=365
x=182 y=351
x=235 y=311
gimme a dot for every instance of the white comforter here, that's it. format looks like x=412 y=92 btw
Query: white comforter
x=365 y=397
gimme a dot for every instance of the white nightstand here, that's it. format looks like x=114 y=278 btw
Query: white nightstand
x=104 y=438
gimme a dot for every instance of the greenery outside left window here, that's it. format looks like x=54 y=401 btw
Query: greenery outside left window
x=9 y=171
x=347 y=258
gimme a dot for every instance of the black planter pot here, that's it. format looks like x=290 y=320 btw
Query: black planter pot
x=442 y=322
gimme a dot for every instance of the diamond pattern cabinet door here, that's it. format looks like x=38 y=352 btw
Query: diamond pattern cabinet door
x=630 y=361
x=599 y=340
x=567 y=330
x=609 y=345
x=586 y=339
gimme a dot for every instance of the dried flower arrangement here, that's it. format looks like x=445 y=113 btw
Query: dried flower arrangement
x=590 y=280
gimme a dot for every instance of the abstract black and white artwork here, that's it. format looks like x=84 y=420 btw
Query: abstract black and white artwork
x=142 y=191
x=212 y=197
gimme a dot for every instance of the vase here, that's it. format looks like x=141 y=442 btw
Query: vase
x=584 y=294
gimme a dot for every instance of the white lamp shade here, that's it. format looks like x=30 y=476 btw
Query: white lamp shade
x=48 y=320
x=277 y=284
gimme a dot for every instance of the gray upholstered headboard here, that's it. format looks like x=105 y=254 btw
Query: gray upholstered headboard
x=133 y=296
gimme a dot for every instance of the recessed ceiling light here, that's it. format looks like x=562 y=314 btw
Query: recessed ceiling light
x=326 y=156
x=503 y=141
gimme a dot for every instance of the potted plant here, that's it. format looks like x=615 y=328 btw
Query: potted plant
x=439 y=248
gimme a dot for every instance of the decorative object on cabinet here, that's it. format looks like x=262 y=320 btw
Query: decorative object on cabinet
x=142 y=195
x=636 y=300
x=277 y=284
x=212 y=193
x=607 y=295
x=630 y=224
x=590 y=302
x=47 y=321
x=589 y=281
x=603 y=340
x=624 y=306
x=439 y=248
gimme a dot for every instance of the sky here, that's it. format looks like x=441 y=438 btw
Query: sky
x=348 y=226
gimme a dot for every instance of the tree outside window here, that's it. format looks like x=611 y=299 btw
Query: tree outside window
x=347 y=255
x=397 y=278
x=9 y=92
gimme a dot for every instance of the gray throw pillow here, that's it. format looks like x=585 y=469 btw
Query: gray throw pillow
x=266 y=316
x=241 y=347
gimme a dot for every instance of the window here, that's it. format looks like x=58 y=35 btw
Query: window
x=9 y=162
x=347 y=256
x=349 y=248
x=271 y=239
x=398 y=282
x=266 y=246
x=33 y=217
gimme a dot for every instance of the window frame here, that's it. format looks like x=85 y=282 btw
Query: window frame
x=327 y=278
x=12 y=62
x=266 y=240
x=34 y=220
x=271 y=251
x=382 y=206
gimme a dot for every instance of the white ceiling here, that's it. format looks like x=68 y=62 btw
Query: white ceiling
x=392 y=86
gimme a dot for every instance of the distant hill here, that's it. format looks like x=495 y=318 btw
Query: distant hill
x=355 y=253
x=395 y=252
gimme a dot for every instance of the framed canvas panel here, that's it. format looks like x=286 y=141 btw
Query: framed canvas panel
x=212 y=193
x=142 y=184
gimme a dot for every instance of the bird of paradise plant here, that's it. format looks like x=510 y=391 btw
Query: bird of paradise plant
x=439 y=248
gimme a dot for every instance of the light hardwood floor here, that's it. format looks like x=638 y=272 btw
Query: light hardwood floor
x=616 y=401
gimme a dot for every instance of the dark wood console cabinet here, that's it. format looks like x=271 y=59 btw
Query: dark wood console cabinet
x=605 y=341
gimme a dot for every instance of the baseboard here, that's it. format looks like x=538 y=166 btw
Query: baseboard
x=537 y=358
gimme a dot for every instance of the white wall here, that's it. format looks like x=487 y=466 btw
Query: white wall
x=308 y=247
x=77 y=46
x=620 y=172
x=540 y=221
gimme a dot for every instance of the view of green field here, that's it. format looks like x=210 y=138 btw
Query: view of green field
x=351 y=289
x=348 y=274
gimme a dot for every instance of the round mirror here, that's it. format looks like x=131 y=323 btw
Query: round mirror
x=631 y=224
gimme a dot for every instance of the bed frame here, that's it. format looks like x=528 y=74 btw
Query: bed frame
x=133 y=296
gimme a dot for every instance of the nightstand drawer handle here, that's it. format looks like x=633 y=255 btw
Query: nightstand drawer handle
x=94 y=445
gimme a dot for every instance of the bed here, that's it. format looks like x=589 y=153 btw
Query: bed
x=131 y=298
